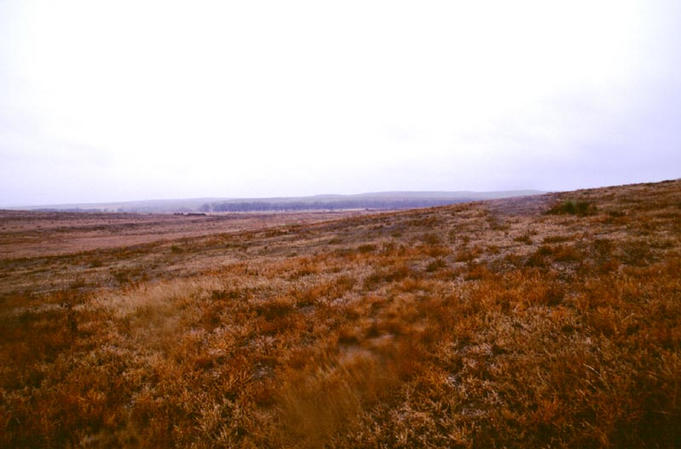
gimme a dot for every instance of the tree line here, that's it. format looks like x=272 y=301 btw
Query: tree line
x=260 y=206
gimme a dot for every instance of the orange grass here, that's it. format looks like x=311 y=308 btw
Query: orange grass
x=511 y=323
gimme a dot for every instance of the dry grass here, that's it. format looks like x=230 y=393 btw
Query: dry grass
x=491 y=324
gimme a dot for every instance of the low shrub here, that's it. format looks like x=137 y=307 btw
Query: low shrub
x=580 y=208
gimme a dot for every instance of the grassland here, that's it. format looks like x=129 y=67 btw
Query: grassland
x=547 y=321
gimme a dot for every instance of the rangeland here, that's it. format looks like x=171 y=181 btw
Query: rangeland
x=546 y=321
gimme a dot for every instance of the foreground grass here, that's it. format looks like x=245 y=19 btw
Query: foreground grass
x=518 y=323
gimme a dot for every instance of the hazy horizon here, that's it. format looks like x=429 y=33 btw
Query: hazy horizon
x=520 y=192
x=261 y=197
x=110 y=102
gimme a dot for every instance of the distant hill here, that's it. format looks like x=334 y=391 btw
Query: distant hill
x=375 y=200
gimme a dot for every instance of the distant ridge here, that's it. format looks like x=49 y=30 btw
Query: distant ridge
x=372 y=200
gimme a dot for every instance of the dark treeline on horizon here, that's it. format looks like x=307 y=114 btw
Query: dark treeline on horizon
x=249 y=206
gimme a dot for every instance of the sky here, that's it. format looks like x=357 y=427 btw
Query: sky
x=129 y=100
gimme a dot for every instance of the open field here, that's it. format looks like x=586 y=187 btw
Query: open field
x=544 y=321
x=34 y=234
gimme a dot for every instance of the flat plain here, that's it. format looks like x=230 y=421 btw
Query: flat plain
x=543 y=321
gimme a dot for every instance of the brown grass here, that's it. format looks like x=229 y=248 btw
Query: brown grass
x=492 y=324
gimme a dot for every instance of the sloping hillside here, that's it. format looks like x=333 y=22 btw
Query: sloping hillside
x=545 y=321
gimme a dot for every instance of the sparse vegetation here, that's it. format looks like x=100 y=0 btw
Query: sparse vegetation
x=491 y=324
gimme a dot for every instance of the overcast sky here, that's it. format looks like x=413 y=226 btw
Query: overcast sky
x=123 y=100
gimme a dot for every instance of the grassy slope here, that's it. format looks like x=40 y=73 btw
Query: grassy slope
x=480 y=325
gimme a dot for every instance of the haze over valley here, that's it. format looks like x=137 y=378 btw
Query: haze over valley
x=376 y=201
